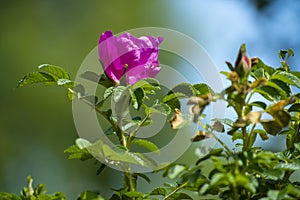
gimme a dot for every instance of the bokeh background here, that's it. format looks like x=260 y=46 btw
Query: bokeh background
x=36 y=122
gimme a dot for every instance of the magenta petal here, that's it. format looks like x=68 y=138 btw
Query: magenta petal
x=139 y=55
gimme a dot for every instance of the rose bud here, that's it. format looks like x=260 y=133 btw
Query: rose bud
x=243 y=62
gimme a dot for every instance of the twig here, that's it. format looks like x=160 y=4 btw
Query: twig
x=176 y=190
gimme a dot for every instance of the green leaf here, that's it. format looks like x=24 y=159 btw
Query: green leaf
x=287 y=77
x=36 y=77
x=137 y=98
x=280 y=86
x=91 y=76
x=119 y=155
x=134 y=195
x=172 y=100
x=79 y=90
x=274 y=174
x=119 y=92
x=89 y=195
x=144 y=176
x=158 y=108
x=184 y=88
x=296 y=73
x=288 y=166
x=213 y=152
x=96 y=78
x=159 y=191
x=180 y=196
x=77 y=153
x=175 y=170
x=7 y=196
x=290 y=53
x=237 y=135
x=55 y=71
x=65 y=82
x=295 y=108
x=263 y=135
x=258 y=73
x=202 y=88
x=108 y=92
x=268 y=92
x=121 y=97
x=82 y=143
x=146 y=144
x=149 y=85
x=282 y=53
x=267 y=69
x=259 y=104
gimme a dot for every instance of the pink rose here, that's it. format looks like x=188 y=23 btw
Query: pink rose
x=136 y=58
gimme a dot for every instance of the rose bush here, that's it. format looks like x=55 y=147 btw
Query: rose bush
x=126 y=55
x=239 y=170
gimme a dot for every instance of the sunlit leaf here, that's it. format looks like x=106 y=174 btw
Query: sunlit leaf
x=287 y=77
x=76 y=153
x=202 y=88
x=82 y=143
x=108 y=92
x=36 y=77
x=175 y=171
x=158 y=108
x=146 y=144
x=55 y=71
x=149 y=85
x=268 y=92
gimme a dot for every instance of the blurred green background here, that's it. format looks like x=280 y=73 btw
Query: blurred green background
x=36 y=122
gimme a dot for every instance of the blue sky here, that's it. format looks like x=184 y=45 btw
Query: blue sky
x=221 y=26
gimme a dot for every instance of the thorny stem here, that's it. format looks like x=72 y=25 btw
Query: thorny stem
x=176 y=190
x=129 y=180
x=113 y=124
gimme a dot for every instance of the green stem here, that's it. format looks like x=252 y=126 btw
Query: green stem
x=176 y=190
x=235 y=193
x=133 y=133
x=130 y=181
x=249 y=97
x=249 y=140
x=117 y=129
